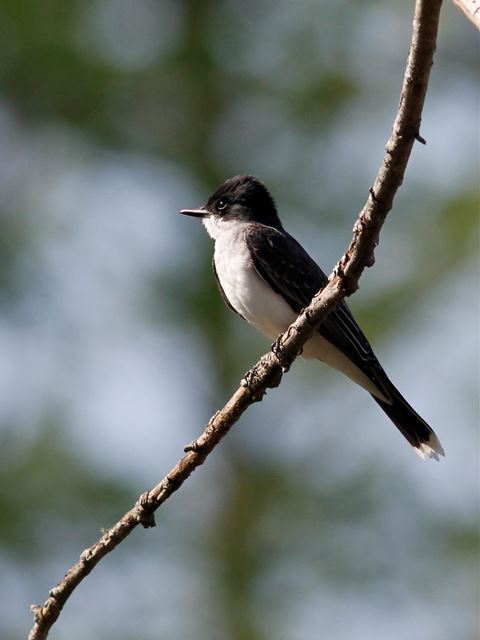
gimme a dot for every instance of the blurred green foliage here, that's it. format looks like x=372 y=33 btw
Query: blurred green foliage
x=44 y=485
x=451 y=229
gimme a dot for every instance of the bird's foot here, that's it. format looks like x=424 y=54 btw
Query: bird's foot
x=277 y=350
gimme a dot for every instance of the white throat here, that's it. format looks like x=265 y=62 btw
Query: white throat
x=213 y=224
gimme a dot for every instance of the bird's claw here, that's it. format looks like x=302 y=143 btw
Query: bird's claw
x=277 y=349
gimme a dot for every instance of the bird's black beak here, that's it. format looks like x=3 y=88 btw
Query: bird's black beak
x=196 y=213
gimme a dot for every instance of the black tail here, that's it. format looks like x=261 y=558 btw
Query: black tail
x=410 y=424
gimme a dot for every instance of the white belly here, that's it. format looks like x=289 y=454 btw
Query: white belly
x=248 y=294
x=256 y=301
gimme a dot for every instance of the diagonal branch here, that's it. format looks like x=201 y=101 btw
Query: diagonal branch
x=268 y=370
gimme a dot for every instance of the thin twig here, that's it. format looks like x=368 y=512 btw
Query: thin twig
x=268 y=370
x=471 y=8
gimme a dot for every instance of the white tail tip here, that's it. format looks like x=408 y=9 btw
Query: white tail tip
x=430 y=449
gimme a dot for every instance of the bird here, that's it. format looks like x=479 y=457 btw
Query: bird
x=265 y=276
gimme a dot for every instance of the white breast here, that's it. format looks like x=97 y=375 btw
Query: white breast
x=248 y=294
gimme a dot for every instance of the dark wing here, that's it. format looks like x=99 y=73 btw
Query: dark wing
x=283 y=263
x=291 y=272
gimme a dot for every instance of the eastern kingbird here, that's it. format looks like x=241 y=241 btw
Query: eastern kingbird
x=266 y=276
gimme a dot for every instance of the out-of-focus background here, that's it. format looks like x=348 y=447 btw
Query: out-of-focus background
x=313 y=518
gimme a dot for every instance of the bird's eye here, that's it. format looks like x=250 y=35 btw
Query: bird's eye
x=221 y=205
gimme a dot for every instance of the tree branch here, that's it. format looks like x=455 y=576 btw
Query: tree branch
x=268 y=370
x=471 y=8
